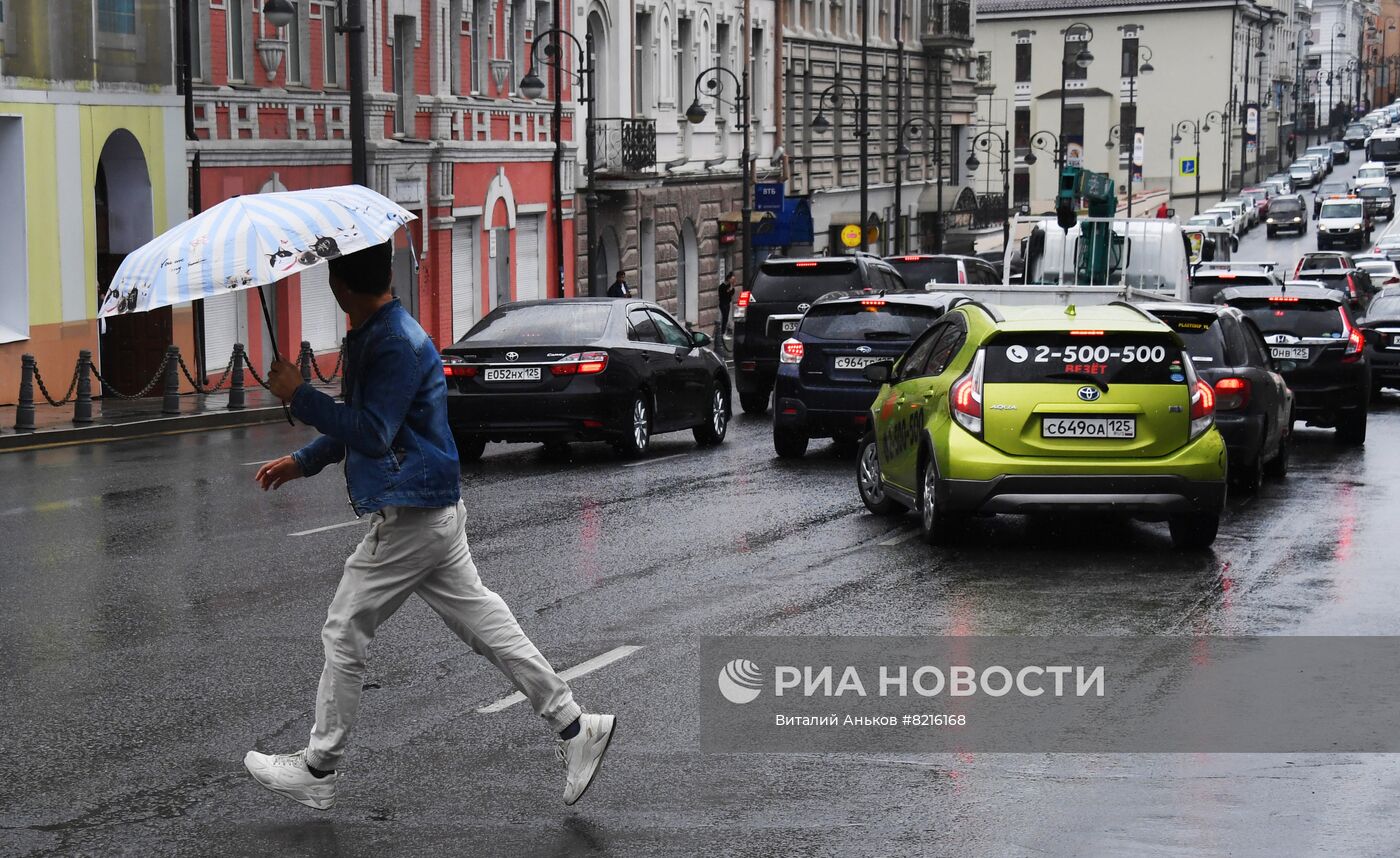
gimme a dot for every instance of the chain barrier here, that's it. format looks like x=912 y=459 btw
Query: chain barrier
x=157 y=379
x=254 y=373
x=224 y=379
x=67 y=397
x=335 y=371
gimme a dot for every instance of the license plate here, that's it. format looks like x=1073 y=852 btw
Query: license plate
x=1278 y=353
x=512 y=373
x=855 y=362
x=1088 y=427
x=789 y=327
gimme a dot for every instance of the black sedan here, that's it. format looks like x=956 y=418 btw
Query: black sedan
x=1383 y=339
x=1318 y=349
x=583 y=369
x=1253 y=405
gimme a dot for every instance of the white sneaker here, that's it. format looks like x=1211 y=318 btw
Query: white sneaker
x=287 y=774
x=583 y=753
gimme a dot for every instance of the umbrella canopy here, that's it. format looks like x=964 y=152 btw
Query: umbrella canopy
x=251 y=241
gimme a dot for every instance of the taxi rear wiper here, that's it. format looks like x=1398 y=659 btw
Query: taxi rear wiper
x=1081 y=376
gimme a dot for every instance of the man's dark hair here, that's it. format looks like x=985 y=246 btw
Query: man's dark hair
x=365 y=272
x=621 y=275
x=729 y=275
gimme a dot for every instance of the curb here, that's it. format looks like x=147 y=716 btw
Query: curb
x=175 y=425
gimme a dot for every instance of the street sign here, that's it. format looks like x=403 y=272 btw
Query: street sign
x=768 y=196
x=850 y=235
x=1187 y=167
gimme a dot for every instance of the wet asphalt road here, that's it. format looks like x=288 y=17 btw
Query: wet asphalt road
x=158 y=618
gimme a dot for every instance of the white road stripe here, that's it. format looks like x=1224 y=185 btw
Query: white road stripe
x=653 y=461
x=574 y=672
x=327 y=527
x=901 y=536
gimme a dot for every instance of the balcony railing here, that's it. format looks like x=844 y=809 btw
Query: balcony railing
x=623 y=146
x=949 y=23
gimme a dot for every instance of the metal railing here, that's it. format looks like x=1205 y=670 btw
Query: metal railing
x=624 y=146
x=167 y=376
x=949 y=19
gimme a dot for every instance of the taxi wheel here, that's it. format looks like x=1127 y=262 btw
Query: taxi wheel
x=712 y=431
x=637 y=440
x=870 y=481
x=937 y=526
x=469 y=447
x=1194 y=530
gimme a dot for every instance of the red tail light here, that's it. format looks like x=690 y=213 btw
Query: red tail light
x=581 y=363
x=1086 y=333
x=965 y=399
x=791 y=351
x=457 y=369
x=741 y=307
x=1202 y=407
x=1231 y=394
x=871 y=302
x=1351 y=286
x=1356 y=341
x=1283 y=299
x=962 y=275
x=806 y=265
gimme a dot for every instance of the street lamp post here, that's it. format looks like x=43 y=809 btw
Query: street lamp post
x=1244 y=104
x=1197 y=126
x=1047 y=143
x=1118 y=133
x=984 y=140
x=1082 y=59
x=532 y=87
x=838 y=92
x=713 y=78
x=912 y=125
x=1338 y=32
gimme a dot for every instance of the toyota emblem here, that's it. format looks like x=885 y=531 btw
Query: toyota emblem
x=1088 y=393
x=512 y=355
x=802 y=308
x=865 y=350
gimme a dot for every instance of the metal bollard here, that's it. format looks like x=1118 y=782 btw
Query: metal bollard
x=82 y=407
x=171 y=403
x=235 y=387
x=304 y=360
x=24 y=414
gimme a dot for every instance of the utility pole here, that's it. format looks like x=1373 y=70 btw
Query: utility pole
x=864 y=131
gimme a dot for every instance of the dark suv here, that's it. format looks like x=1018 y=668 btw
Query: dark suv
x=1383 y=339
x=1286 y=213
x=919 y=269
x=822 y=391
x=1253 y=405
x=787 y=288
x=1354 y=283
x=1379 y=200
x=1319 y=350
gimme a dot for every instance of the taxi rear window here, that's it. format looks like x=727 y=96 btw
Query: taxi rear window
x=1072 y=358
x=871 y=319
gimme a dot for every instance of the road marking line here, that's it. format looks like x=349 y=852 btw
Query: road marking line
x=653 y=461
x=901 y=536
x=327 y=527
x=47 y=506
x=574 y=672
x=263 y=462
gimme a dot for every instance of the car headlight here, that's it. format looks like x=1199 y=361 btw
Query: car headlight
x=1297 y=220
x=1356 y=226
x=1270 y=220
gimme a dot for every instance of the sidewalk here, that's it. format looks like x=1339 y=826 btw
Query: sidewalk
x=114 y=418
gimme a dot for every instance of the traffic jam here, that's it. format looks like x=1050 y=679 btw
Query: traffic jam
x=1080 y=373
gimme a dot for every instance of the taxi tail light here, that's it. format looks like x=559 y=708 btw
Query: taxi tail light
x=1231 y=394
x=965 y=398
x=581 y=363
x=791 y=352
x=1202 y=407
x=1356 y=341
x=741 y=307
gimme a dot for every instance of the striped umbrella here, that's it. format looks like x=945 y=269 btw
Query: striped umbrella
x=251 y=241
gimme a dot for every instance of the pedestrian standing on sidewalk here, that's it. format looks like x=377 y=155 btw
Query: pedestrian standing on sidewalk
x=401 y=469
x=1162 y=211
x=726 y=299
x=619 y=289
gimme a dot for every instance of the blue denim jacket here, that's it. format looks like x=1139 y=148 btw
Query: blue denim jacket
x=392 y=429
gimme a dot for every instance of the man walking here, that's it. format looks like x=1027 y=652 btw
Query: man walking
x=400 y=468
x=619 y=289
x=726 y=299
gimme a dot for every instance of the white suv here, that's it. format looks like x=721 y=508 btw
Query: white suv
x=1370 y=173
x=1342 y=222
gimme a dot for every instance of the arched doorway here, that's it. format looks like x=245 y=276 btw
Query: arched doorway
x=607 y=261
x=131 y=346
x=688 y=275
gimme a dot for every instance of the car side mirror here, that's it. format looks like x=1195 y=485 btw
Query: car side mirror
x=1234 y=243
x=701 y=340
x=879 y=372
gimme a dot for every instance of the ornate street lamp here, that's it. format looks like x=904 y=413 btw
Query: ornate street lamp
x=713 y=78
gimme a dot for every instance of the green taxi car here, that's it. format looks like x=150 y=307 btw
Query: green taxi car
x=1044 y=409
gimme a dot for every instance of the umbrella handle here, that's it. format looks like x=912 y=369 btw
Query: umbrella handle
x=272 y=337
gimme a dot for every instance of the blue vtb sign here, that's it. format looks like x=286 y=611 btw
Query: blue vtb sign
x=768 y=196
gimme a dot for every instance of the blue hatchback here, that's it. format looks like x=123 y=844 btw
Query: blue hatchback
x=821 y=389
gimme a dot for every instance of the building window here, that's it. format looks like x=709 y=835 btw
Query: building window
x=756 y=78
x=117 y=16
x=294 y=73
x=684 y=51
x=984 y=66
x=197 y=39
x=480 y=47
x=515 y=43
x=643 y=68
x=233 y=19
x=403 y=73
x=1072 y=69
x=330 y=47
x=1127 y=118
x=1023 y=62
x=1022 y=131
x=1073 y=133
x=1130 y=57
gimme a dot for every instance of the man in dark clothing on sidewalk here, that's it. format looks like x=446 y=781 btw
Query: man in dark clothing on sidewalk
x=726 y=299
x=619 y=289
x=401 y=469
